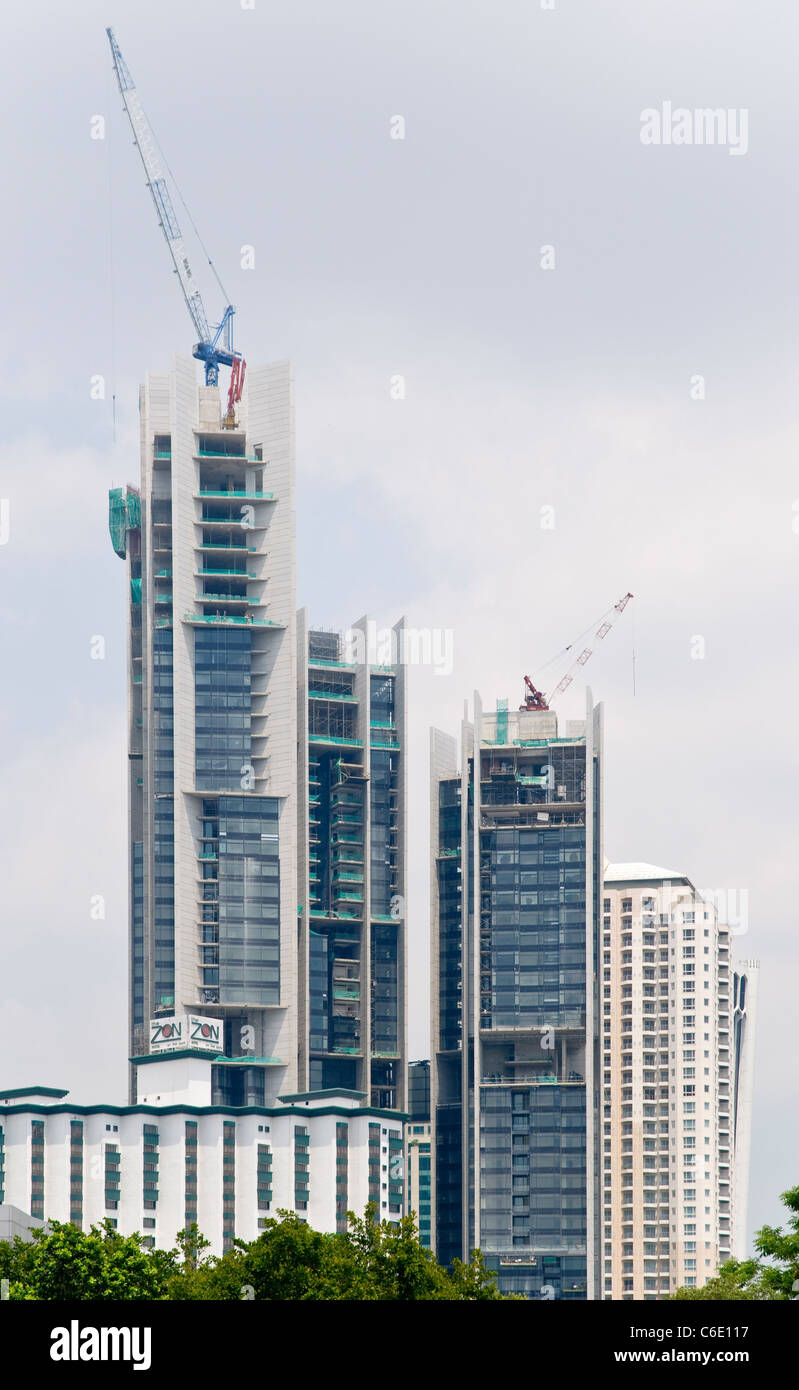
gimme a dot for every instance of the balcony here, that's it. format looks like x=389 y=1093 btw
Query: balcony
x=228 y=458
x=227 y=545
x=227 y=619
x=227 y=598
x=335 y=741
x=332 y=695
x=247 y=494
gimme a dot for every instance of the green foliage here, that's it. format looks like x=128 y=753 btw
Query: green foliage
x=289 y=1262
x=736 y=1281
x=782 y=1247
x=63 y=1262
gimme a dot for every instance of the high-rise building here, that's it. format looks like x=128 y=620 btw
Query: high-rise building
x=516 y=882
x=352 y=862
x=209 y=543
x=671 y=1132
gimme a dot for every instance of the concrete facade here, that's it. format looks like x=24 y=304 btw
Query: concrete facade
x=158 y=1165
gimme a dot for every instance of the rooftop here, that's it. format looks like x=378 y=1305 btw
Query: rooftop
x=628 y=873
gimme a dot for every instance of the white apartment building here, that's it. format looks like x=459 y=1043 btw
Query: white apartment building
x=173 y=1158
x=670 y=1132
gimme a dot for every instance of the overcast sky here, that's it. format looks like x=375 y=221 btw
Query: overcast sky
x=525 y=389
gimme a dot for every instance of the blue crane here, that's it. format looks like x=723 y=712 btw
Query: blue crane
x=215 y=345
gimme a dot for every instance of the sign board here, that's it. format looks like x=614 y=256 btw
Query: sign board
x=186 y=1031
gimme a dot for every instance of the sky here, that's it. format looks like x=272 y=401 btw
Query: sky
x=644 y=388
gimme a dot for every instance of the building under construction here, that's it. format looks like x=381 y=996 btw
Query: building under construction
x=516 y=860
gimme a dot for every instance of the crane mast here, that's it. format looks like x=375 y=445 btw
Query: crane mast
x=208 y=349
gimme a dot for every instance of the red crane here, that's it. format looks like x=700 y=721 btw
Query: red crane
x=535 y=699
x=235 y=390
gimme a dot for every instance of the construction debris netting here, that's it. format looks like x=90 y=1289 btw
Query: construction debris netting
x=124 y=514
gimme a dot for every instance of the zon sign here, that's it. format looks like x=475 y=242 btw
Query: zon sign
x=184 y=1031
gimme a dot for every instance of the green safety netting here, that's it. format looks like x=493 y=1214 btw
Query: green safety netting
x=117 y=520
x=135 y=590
x=124 y=514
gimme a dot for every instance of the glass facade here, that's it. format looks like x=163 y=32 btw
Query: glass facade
x=242 y=892
x=264 y=1178
x=222 y=680
x=532 y=1160
x=419 y=1091
x=449 y=1184
x=164 y=828
x=112 y=1176
x=519 y=1155
x=342 y=1172
x=138 y=951
x=319 y=992
x=450 y=944
x=190 y=1208
x=37 y=1168
x=302 y=1143
x=76 y=1172
x=354 y=939
x=228 y=1184
x=385 y=984
x=238 y=1085
x=150 y=1167
x=535 y=936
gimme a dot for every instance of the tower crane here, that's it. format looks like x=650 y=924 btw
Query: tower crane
x=535 y=699
x=215 y=345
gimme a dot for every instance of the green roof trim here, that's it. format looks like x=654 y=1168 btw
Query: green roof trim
x=206 y=1057
x=239 y=1111
x=33 y=1090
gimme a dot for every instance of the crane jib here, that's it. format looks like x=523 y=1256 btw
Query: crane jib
x=165 y=208
x=206 y=349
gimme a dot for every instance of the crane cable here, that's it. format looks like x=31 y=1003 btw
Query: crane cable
x=590 y=628
x=188 y=212
x=109 y=168
x=632 y=618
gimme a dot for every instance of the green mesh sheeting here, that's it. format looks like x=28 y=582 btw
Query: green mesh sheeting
x=124 y=514
x=117 y=520
x=135 y=590
x=502 y=721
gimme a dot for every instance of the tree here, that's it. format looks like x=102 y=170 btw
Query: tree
x=390 y=1262
x=782 y=1246
x=63 y=1262
x=372 y=1261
